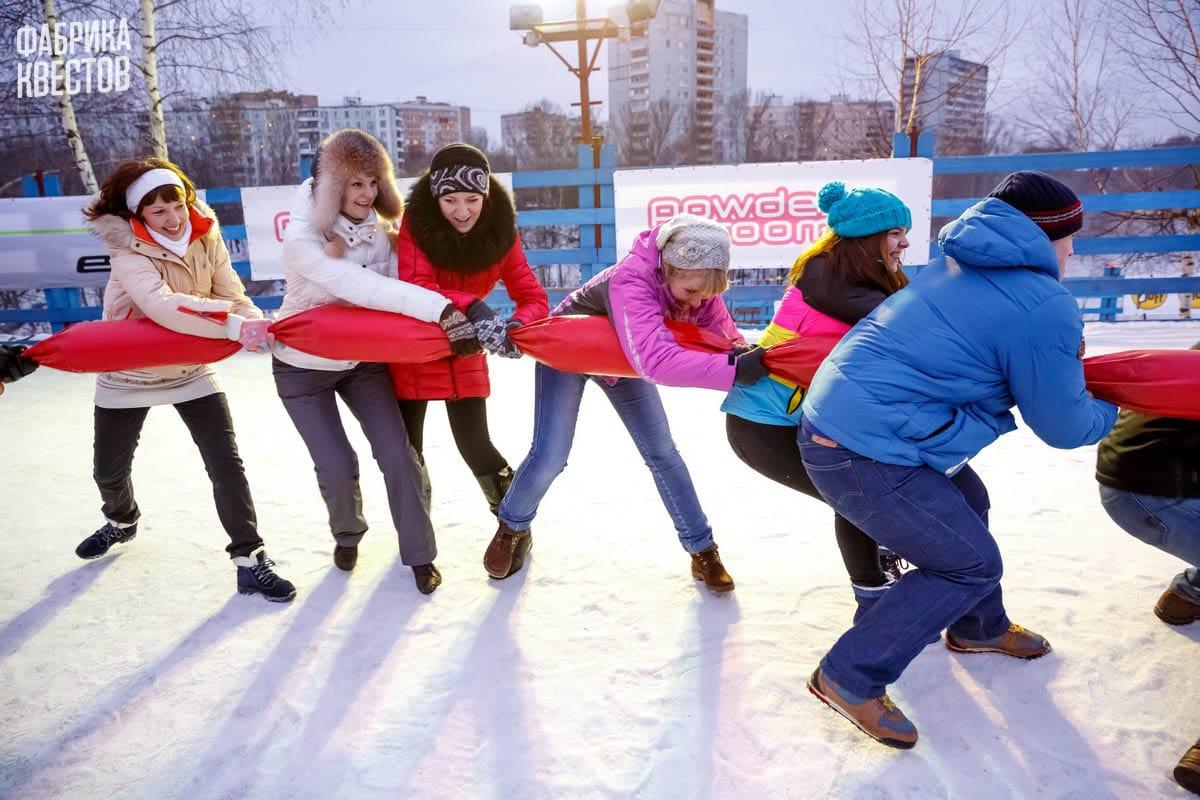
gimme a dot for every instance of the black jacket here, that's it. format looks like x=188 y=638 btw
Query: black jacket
x=1158 y=456
x=833 y=295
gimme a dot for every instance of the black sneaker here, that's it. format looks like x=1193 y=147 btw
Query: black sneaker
x=99 y=542
x=893 y=566
x=256 y=576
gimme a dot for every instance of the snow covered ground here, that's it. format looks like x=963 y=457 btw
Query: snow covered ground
x=600 y=671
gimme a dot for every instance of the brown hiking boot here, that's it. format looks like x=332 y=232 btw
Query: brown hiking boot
x=707 y=567
x=506 y=553
x=877 y=717
x=345 y=557
x=1175 y=609
x=1187 y=771
x=1016 y=642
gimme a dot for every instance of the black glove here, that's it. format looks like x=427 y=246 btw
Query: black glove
x=491 y=330
x=13 y=365
x=749 y=367
x=460 y=332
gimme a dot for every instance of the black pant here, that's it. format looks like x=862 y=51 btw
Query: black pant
x=771 y=451
x=208 y=420
x=469 y=426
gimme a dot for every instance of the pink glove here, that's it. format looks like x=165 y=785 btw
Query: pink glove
x=250 y=333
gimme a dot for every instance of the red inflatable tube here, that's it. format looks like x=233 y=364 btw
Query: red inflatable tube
x=346 y=333
x=118 y=345
x=1162 y=383
x=570 y=343
x=1156 y=382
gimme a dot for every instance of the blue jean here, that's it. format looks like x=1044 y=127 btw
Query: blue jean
x=556 y=410
x=1168 y=523
x=939 y=525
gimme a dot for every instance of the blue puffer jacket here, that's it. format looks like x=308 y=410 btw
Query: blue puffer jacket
x=929 y=377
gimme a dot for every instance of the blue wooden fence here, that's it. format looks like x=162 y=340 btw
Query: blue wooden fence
x=753 y=305
x=1110 y=288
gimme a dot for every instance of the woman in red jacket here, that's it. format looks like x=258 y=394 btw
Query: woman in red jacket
x=459 y=237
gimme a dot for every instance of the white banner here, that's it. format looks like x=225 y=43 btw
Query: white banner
x=266 y=211
x=44 y=244
x=770 y=209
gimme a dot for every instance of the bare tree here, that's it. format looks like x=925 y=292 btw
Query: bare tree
x=746 y=118
x=894 y=45
x=1080 y=103
x=66 y=107
x=650 y=136
x=1161 y=40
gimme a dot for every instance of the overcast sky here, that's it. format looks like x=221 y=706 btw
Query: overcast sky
x=461 y=51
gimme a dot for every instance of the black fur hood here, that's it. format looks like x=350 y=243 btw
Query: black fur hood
x=480 y=248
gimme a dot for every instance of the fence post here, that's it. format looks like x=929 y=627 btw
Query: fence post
x=900 y=145
x=587 y=199
x=41 y=185
x=608 y=231
x=1110 y=306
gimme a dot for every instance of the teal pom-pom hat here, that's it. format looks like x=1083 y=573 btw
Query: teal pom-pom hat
x=862 y=211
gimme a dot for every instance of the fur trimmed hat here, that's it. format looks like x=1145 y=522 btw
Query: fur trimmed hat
x=342 y=155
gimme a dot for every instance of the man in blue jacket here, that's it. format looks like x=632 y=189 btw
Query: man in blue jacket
x=912 y=393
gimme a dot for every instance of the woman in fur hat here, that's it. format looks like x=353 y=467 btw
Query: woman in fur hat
x=459 y=238
x=338 y=249
x=169 y=264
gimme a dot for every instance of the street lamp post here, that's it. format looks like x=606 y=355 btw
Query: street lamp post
x=580 y=30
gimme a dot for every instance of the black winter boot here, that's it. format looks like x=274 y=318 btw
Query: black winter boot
x=495 y=486
x=427 y=578
x=99 y=542
x=255 y=575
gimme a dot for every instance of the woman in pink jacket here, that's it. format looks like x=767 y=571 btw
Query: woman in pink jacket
x=675 y=271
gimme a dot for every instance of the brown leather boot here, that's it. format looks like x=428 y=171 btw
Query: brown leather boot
x=707 y=567
x=506 y=553
x=1175 y=609
x=1187 y=771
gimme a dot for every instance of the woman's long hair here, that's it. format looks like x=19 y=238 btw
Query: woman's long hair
x=111 y=199
x=861 y=261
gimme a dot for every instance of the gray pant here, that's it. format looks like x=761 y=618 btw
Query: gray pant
x=309 y=397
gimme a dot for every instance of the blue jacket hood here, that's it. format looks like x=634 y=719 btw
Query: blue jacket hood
x=993 y=235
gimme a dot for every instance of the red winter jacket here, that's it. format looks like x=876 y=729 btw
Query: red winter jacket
x=456 y=378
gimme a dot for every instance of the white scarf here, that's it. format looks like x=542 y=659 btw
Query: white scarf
x=177 y=246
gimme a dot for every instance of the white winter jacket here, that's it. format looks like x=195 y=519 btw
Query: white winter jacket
x=365 y=276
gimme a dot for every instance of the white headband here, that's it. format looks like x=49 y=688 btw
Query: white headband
x=148 y=182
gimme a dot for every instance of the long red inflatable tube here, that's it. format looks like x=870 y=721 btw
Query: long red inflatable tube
x=1157 y=382
x=115 y=345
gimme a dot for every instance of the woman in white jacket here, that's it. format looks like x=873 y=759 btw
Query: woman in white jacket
x=338 y=248
x=170 y=264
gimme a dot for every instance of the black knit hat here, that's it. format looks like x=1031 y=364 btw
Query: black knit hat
x=1049 y=202
x=459 y=167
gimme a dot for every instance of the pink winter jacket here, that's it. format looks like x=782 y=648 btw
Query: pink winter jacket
x=633 y=294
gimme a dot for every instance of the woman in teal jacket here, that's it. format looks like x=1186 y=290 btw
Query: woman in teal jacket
x=912 y=393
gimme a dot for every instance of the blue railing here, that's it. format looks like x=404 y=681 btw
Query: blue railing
x=753 y=305
x=1110 y=288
